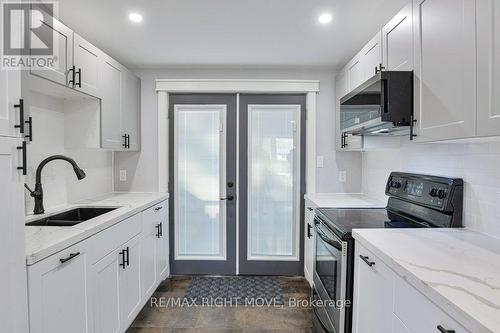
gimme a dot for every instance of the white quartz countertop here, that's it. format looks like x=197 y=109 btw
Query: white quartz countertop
x=42 y=242
x=344 y=200
x=458 y=269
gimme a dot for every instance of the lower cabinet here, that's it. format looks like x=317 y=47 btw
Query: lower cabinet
x=384 y=302
x=57 y=289
x=309 y=245
x=100 y=284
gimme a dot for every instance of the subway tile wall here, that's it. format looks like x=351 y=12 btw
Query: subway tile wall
x=477 y=163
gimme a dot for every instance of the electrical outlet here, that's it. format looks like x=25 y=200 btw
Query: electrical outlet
x=320 y=162
x=123 y=175
x=342 y=176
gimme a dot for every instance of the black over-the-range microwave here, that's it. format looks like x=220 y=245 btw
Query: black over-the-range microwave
x=383 y=105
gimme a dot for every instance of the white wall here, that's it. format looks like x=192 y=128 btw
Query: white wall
x=477 y=163
x=142 y=169
x=59 y=181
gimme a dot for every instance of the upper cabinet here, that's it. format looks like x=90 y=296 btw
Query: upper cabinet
x=444 y=53
x=488 y=67
x=12 y=116
x=397 y=41
x=111 y=87
x=131 y=118
x=371 y=56
x=86 y=66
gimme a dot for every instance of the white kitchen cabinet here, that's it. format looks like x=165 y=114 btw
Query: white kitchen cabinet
x=355 y=72
x=408 y=301
x=149 y=278
x=371 y=56
x=111 y=88
x=13 y=285
x=373 y=293
x=309 y=245
x=58 y=287
x=131 y=116
x=61 y=71
x=488 y=68
x=445 y=57
x=86 y=62
x=397 y=41
x=130 y=282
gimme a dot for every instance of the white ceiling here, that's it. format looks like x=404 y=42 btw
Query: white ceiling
x=228 y=32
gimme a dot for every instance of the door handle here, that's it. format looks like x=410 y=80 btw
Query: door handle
x=71 y=256
x=365 y=259
x=20 y=106
x=24 y=165
x=229 y=198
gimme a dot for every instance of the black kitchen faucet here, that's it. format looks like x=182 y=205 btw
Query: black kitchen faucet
x=37 y=194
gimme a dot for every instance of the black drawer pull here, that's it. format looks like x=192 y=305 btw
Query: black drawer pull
x=72 y=70
x=443 y=330
x=158 y=208
x=158 y=234
x=71 y=256
x=30 y=128
x=365 y=259
x=23 y=167
x=20 y=106
x=124 y=136
x=310 y=209
x=125 y=257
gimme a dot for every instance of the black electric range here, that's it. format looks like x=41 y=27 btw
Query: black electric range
x=415 y=201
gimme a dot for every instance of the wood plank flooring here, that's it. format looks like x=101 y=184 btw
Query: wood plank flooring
x=161 y=315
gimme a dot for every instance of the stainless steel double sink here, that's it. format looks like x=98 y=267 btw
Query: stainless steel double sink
x=71 y=217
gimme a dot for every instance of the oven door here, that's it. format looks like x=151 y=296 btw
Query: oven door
x=330 y=278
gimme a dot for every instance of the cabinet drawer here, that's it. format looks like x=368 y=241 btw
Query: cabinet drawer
x=408 y=301
x=108 y=240
x=157 y=213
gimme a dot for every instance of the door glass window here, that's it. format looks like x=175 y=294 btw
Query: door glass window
x=273 y=173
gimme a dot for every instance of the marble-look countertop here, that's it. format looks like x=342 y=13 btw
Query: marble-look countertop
x=458 y=269
x=344 y=200
x=42 y=242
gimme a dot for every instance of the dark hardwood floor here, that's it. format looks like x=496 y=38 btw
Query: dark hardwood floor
x=160 y=315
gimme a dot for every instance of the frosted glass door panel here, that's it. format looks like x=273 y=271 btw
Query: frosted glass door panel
x=200 y=171
x=273 y=171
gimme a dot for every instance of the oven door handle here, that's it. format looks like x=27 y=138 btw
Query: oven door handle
x=327 y=240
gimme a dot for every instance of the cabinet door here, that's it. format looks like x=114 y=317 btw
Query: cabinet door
x=148 y=255
x=445 y=51
x=373 y=293
x=488 y=68
x=397 y=41
x=162 y=249
x=130 y=282
x=60 y=72
x=13 y=307
x=105 y=293
x=87 y=66
x=355 y=74
x=131 y=112
x=371 y=56
x=110 y=82
x=309 y=242
x=58 y=293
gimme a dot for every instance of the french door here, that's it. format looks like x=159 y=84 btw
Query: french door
x=236 y=185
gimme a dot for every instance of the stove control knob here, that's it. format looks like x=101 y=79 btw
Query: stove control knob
x=433 y=192
x=441 y=194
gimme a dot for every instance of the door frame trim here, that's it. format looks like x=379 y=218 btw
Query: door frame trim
x=164 y=87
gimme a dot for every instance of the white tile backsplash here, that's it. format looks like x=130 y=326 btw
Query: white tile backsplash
x=59 y=181
x=477 y=163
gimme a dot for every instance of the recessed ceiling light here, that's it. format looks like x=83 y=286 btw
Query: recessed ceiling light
x=325 y=18
x=135 y=17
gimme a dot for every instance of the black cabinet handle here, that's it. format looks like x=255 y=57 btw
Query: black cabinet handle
x=30 y=128
x=229 y=198
x=379 y=69
x=79 y=72
x=343 y=142
x=310 y=209
x=158 y=208
x=23 y=167
x=309 y=228
x=128 y=256
x=365 y=259
x=443 y=330
x=71 y=256
x=72 y=70
x=128 y=141
x=157 y=230
x=20 y=106
x=412 y=129
x=161 y=229
x=125 y=258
